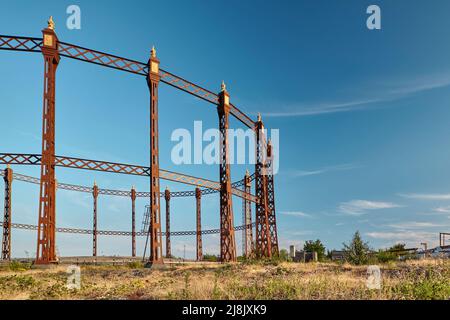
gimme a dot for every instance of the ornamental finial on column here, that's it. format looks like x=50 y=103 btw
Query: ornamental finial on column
x=153 y=63
x=259 y=117
x=95 y=183
x=223 y=86
x=247 y=173
x=51 y=23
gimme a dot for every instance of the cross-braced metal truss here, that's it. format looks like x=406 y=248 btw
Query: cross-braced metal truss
x=77 y=163
x=124 y=233
x=20 y=43
x=52 y=49
x=72 y=51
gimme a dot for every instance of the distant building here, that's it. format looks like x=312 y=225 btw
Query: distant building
x=304 y=256
x=337 y=255
x=292 y=251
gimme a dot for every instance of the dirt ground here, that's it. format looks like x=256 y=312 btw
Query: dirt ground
x=424 y=279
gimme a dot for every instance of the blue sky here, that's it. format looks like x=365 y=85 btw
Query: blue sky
x=363 y=115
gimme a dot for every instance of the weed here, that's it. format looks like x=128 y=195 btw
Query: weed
x=186 y=290
x=135 y=265
x=258 y=280
x=19 y=266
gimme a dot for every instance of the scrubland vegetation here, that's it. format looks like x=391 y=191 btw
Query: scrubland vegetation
x=415 y=279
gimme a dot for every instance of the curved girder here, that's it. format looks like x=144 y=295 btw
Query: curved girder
x=77 y=163
x=19 y=43
x=123 y=233
x=120 y=193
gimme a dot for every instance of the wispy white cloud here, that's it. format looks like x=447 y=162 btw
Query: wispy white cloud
x=340 y=167
x=79 y=199
x=426 y=196
x=414 y=225
x=33 y=136
x=412 y=232
x=116 y=206
x=394 y=91
x=287 y=242
x=403 y=236
x=299 y=232
x=420 y=84
x=360 y=207
x=181 y=247
x=296 y=214
x=322 y=108
x=442 y=209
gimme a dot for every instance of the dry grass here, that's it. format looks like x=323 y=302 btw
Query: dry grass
x=407 y=280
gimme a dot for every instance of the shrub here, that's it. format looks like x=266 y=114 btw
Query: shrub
x=284 y=255
x=135 y=265
x=390 y=254
x=210 y=257
x=24 y=282
x=357 y=251
x=315 y=246
x=19 y=266
x=428 y=285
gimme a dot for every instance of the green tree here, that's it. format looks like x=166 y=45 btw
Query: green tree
x=315 y=246
x=357 y=251
x=397 y=247
x=284 y=255
x=390 y=254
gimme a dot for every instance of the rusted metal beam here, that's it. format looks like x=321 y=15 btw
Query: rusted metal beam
x=227 y=236
x=45 y=252
x=247 y=233
x=18 y=158
x=121 y=233
x=77 y=163
x=6 y=238
x=123 y=193
x=52 y=49
x=168 y=244
x=198 y=211
x=16 y=43
x=153 y=78
x=133 y=221
x=263 y=241
x=270 y=189
x=120 y=63
x=101 y=58
x=94 y=225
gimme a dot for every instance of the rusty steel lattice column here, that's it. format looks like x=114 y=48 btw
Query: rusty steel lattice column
x=247 y=232
x=198 y=198
x=168 y=245
x=133 y=221
x=263 y=241
x=271 y=201
x=45 y=252
x=155 y=214
x=6 y=240
x=227 y=238
x=94 y=228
